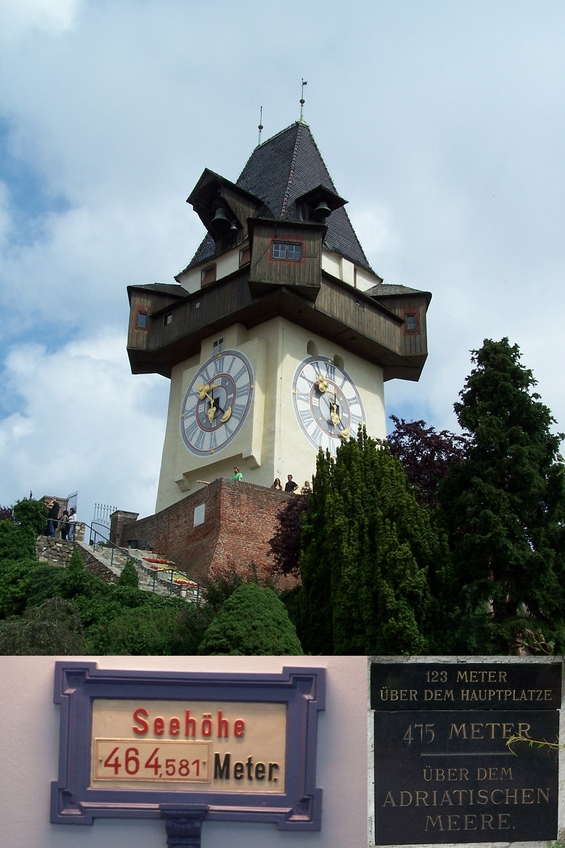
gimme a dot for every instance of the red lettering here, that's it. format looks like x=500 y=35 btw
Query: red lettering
x=174 y=726
x=190 y=724
x=139 y=716
x=223 y=726
x=239 y=728
x=158 y=726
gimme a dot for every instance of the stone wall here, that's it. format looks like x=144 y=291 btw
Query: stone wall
x=94 y=566
x=54 y=551
x=237 y=521
x=58 y=552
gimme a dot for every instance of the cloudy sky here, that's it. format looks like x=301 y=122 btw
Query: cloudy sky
x=441 y=121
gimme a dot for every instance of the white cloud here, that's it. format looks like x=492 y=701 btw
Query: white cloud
x=52 y=16
x=83 y=423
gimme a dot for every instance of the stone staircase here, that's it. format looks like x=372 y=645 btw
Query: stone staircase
x=155 y=573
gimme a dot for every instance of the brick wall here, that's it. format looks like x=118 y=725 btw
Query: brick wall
x=239 y=521
x=118 y=520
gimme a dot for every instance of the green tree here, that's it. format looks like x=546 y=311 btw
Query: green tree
x=31 y=513
x=16 y=541
x=375 y=567
x=253 y=621
x=129 y=576
x=505 y=507
x=148 y=630
x=53 y=627
x=19 y=530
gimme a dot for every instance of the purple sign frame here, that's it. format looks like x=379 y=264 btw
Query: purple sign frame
x=78 y=684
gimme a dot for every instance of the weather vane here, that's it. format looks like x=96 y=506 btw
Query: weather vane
x=302 y=101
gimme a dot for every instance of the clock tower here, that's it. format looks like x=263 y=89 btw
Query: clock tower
x=278 y=336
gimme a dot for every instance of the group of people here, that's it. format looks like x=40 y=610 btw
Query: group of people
x=291 y=485
x=65 y=520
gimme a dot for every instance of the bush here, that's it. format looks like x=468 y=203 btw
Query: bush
x=16 y=541
x=31 y=514
x=253 y=621
x=14 y=585
x=129 y=576
x=149 y=630
x=54 y=627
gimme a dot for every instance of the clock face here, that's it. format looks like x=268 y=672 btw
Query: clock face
x=327 y=404
x=216 y=403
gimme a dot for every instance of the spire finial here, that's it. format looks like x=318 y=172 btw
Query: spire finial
x=302 y=102
x=260 y=125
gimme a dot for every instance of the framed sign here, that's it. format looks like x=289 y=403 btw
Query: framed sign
x=443 y=768
x=224 y=747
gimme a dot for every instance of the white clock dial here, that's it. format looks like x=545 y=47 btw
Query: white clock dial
x=216 y=403
x=327 y=404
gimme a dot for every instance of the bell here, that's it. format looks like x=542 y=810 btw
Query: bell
x=220 y=218
x=321 y=211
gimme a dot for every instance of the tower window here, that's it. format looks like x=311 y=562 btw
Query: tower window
x=411 y=322
x=218 y=345
x=142 y=320
x=244 y=256
x=167 y=319
x=287 y=250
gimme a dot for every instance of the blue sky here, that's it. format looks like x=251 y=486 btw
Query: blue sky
x=441 y=122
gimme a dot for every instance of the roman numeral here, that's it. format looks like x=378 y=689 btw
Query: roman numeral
x=191 y=430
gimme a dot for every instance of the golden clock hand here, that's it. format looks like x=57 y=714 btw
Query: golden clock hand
x=323 y=384
x=203 y=390
x=335 y=418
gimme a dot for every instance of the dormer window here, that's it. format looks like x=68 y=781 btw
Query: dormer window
x=167 y=319
x=142 y=320
x=287 y=250
x=411 y=323
x=208 y=275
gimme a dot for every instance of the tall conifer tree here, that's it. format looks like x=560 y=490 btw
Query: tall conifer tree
x=369 y=552
x=505 y=507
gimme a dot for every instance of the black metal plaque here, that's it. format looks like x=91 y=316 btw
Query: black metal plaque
x=443 y=768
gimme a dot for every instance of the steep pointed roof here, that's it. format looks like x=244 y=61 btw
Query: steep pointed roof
x=282 y=169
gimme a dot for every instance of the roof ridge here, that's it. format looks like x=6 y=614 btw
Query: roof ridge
x=264 y=144
x=291 y=170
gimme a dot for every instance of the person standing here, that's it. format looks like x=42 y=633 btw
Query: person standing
x=72 y=523
x=64 y=523
x=290 y=485
x=237 y=475
x=53 y=517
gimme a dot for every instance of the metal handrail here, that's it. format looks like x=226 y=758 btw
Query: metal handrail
x=134 y=560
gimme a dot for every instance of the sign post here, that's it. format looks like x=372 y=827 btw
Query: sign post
x=443 y=769
x=188 y=747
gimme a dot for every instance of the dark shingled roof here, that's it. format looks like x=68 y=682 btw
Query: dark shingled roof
x=386 y=290
x=164 y=288
x=279 y=171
